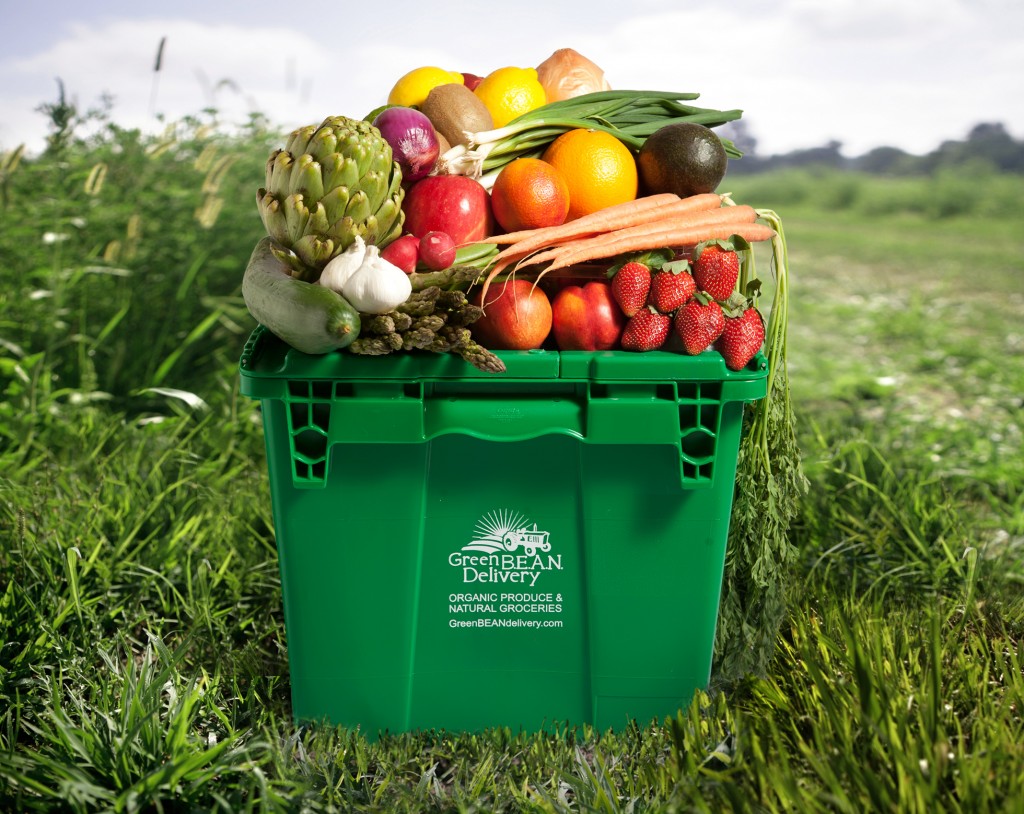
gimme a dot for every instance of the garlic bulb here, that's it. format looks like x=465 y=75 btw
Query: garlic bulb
x=377 y=286
x=338 y=271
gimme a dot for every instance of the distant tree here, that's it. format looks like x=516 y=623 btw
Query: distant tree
x=988 y=145
x=886 y=161
x=827 y=156
x=739 y=133
x=988 y=142
x=991 y=141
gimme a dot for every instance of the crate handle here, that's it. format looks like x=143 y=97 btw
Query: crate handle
x=493 y=418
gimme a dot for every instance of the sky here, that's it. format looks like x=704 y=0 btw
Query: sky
x=865 y=73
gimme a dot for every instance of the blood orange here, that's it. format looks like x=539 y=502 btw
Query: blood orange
x=529 y=194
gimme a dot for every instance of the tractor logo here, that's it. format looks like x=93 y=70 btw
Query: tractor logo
x=530 y=540
x=505 y=531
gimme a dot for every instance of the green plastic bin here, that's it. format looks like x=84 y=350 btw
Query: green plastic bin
x=461 y=550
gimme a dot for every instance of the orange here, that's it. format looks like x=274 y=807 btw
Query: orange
x=529 y=194
x=599 y=169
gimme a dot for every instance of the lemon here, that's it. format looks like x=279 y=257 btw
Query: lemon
x=510 y=92
x=412 y=89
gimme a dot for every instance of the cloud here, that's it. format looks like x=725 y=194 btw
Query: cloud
x=236 y=69
x=293 y=76
x=862 y=72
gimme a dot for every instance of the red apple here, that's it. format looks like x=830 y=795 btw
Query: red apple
x=517 y=316
x=471 y=80
x=454 y=204
x=403 y=252
x=587 y=317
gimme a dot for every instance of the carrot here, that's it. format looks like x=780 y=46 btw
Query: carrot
x=731 y=214
x=684 y=236
x=613 y=217
x=681 y=207
x=632 y=213
x=594 y=218
x=498 y=268
x=670 y=225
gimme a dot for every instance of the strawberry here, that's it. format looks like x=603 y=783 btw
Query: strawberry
x=630 y=287
x=741 y=338
x=716 y=268
x=670 y=289
x=646 y=330
x=698 y=323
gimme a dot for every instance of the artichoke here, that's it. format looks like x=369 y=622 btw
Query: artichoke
x=330 y=183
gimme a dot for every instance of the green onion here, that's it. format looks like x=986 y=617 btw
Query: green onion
x=629 y=115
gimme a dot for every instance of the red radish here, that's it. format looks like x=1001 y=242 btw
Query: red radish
x=437 y=250
x=403 y=252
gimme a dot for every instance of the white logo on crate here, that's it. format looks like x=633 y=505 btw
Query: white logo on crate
x=510 y=549
x=507 y=531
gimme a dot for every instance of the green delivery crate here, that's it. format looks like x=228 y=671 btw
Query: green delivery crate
x=461 y=550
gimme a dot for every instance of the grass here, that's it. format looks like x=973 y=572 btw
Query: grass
x=143 y=663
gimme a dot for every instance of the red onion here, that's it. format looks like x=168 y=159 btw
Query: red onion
x=412 y=139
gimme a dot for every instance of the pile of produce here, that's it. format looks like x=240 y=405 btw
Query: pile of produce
x=554 y=203
x=541 y=208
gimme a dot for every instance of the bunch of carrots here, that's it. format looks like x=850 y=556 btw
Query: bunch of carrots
x=648 y=223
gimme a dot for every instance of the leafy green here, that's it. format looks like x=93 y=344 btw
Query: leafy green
x=769 y=484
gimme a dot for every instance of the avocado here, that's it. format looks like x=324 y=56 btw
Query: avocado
x=684 y=158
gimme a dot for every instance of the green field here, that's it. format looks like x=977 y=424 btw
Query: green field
x=142 y=655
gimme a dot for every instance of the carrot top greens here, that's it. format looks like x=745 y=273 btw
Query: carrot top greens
x=769 y=485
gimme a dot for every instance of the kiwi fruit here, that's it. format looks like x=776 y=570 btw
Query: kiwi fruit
x=442 y=144
x=454 y=110
x=684 y=158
